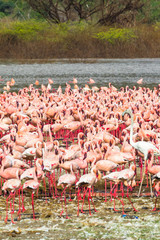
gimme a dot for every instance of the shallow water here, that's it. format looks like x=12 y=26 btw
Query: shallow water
x=104 y=224
x=120 y=72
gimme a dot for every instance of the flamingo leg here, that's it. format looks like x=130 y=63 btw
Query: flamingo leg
x=150 y=181
x=70 y=194
x=65 y=205
x=19 y=197
x=115 y=197
x=51 y=182
x=11 y=194
x=62 y=208
x=7 y=209
x=105 y=188
x=85 y=191
x=62 y=201
x=54 y=182
x=92 y=200
x=23 y=208
x=33 y=205
x=13 y=201
x=89 y=204
x=44 y=182
x=78 y=197
x=111 y=190
x=154 y=209
x=131 y=201
x=144 y=170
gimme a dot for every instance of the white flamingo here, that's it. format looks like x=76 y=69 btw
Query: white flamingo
x=141 y=146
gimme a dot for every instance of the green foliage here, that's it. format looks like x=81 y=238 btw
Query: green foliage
x=2 y=15
x=26 y=30
x=21 y=10
x=6 y=7
x=59 y=32
x=155 y=11
x=116 y=34
x=150 y=13
x=157 y=26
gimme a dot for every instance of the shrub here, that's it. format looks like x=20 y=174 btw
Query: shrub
x=116 y=34
x=26 y=30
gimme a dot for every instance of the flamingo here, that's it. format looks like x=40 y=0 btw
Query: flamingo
x=74 y=81
x=36 y=82
x=50 y=81
x=11 y=172
x=140 y=81
x=11 y=185
x=141 y=146
x=66 y=180
x=152 y=169
x=127 y=177
x=31 y=185
x=34 y=172
x=87 y=180
x=156 y=177
x=91 y=81
x=105 y=166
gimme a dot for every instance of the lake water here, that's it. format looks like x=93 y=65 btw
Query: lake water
x=120 y=72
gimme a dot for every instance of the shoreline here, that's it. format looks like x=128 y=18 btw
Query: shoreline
x=70 y=60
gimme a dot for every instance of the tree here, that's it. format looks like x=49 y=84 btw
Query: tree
x=54 y=11
x=121 y=12
x=105 y=11
x=6 y=7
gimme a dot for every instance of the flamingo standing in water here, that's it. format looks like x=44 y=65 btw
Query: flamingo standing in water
x=11 y=185
x=91 y=81
x=105 y=166
x=152 y=169
x=66 y=180
x=140 y=81
x=141 y=146
x=87 y=180
x=32 y=185
x=156 y=178
x=125 y=176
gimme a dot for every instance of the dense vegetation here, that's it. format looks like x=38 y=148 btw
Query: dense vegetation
x=147 y=11
x=27 y=34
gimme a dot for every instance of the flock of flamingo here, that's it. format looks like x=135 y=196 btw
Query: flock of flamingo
x=91 y=133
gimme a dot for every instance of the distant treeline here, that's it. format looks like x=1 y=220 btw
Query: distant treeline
x=34 y=39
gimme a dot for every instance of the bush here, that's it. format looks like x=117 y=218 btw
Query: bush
x=26 y=30
x=116 y=34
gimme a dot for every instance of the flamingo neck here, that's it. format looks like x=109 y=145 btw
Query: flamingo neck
x=131 y=132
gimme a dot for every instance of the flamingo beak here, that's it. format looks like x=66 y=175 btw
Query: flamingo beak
x=99 y=175
x=0 y=160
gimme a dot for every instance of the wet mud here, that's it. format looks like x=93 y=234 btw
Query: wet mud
x=103 y=224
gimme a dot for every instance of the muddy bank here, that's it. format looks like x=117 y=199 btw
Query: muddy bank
x=104 y=224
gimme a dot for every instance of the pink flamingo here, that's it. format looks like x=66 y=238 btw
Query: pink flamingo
x=91 y=81
x=31 y=185
x=74 y=81
x=140 y=81
x=87 y=180
x=11 y=185
x=105 y=166
x=156 y=178
x=127 y=177
x=66 y=180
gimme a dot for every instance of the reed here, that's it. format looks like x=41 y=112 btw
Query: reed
x=39 y=40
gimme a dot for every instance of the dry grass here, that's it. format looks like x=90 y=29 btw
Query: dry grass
x=77 y=41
